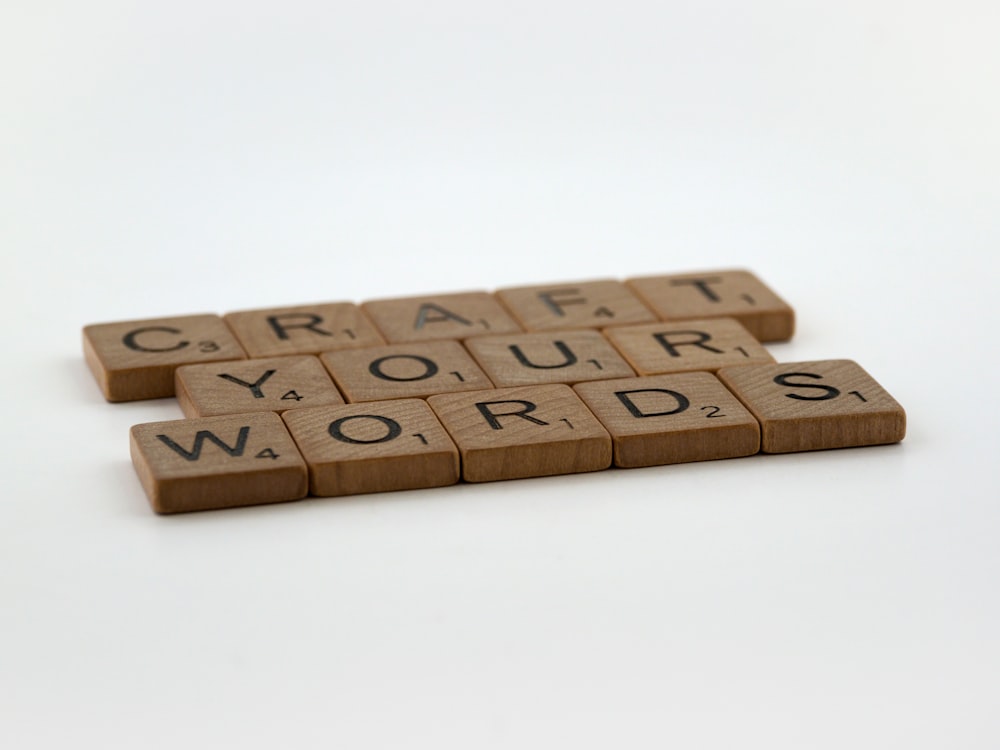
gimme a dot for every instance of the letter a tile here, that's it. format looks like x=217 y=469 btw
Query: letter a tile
x=671 y=419
x=374 y=447
x=532 y=431
x=806 y=406
x=217 y=462
x=438 y=317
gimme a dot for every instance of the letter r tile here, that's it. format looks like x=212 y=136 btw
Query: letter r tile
x=134 y=360
x=374 y=447
x=217 y=462
x=805 y=406
x=532 y=431
x=671 y=419
x=687 y=346
x=303 y=329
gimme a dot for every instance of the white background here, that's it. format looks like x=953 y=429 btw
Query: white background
x=181 y=157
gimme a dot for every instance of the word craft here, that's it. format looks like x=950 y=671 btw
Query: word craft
x=335 y=399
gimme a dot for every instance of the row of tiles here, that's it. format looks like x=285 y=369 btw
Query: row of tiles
x=419 y=370
x=511 y=433
x=136 y=359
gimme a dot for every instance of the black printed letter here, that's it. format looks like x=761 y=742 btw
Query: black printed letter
x=430 y=368
x=671 y=346
x=442 y=315
x=557 y=306
x=129 y=339
x=702 y=286
x=254 y=387
x=569 y=357
x=829 y=390
x=392 y=427
x=311 y=322
x=195 y=453
x=635 y=411
x=491 y=418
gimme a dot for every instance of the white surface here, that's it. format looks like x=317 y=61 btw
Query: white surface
x=178 y=157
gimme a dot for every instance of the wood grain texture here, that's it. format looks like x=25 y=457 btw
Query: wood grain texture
x=374 y=447
x=217 y=462
x=687 y=346
x=303 y=329
x=272 y=384
x=805 y=406
x=512 y=433
x=404 y=371
x=670 y=419
x=582 y=304
x=735 y=294
x=439 y=317
x=136 y=359
x=549 y=357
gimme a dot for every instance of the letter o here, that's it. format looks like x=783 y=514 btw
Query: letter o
x=375 y=368
x=393 y=429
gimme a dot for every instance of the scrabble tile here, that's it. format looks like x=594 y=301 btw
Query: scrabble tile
x=734 y=294
x=440 y=316
x=404 y=371
x=585 y=304
x=532 y=431
x=273 y=384
x=374 y=447
x=217 y=462
x=136 y=359
x=552 y=357
x=804 y=406
x=671 y=419
x=303 y=329
x=687 y=346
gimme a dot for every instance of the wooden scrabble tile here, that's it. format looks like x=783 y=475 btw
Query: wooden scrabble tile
x=804 y=406
x=303 y=329
x=404 y=371
x=274 y=384
x=136 y=359
x=217 y=462
x=531 y=431
x=374 y=447
x=551 y=357
x=733 y=294
x=671 y=419
x=584 y=304
x=687 y=346
x=440 y=316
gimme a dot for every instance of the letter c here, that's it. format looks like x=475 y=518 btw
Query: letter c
x=129 y=339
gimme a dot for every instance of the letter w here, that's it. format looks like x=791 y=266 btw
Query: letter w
x=195 y=453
